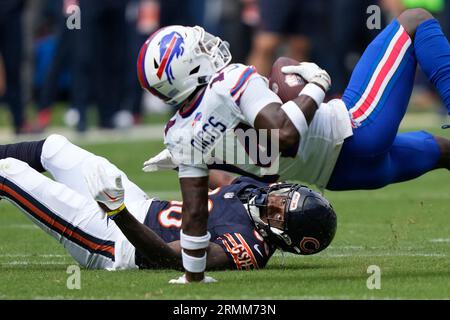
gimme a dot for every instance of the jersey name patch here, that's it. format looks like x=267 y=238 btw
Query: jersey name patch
x=240 y=251
x=204 y=139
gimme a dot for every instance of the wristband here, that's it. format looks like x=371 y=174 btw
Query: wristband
x=194 y=243
x=112 y=214
x=314 y=92
x=193 y=264
x=295 y=114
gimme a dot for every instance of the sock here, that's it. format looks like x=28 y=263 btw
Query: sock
x=433 y=55
x=29 y=152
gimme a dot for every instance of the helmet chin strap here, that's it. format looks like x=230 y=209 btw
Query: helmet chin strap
x=203 y=80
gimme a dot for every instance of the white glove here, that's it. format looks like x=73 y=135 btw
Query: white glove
x=183 y=280
x=162 y=161
x=312 y=73
x=106 y=188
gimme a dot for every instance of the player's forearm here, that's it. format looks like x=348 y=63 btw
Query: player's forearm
x=218 y=178
x=147 y=242
x=279 y=126
x=299 y=113
x=194 y=235
x=307 y=105
x=195 y=205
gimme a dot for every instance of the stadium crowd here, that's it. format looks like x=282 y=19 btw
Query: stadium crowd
x=44 y=60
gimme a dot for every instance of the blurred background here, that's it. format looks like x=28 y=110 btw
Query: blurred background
x=84 y=80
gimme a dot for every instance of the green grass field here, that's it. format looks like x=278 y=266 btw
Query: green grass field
x=404 y=229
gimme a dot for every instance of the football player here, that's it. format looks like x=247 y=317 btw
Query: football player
x=248 y=220
x=345 y=144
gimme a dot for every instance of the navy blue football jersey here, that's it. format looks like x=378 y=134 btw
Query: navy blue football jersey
x=229 y=224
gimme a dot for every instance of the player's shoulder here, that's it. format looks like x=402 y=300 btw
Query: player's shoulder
x=236 y=69
x=232 y=78
x=172 y=121
x=245 y=247
x=244 y=181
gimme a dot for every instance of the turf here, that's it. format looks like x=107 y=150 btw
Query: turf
x=404 y=229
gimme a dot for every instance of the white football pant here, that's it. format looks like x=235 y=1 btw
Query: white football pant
x=65 y=209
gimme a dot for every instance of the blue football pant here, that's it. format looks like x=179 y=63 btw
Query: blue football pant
x=377 y=98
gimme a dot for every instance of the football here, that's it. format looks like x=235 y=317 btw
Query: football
x=286 y=86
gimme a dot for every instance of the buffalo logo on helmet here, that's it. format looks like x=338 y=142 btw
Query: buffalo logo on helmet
x=171 y=46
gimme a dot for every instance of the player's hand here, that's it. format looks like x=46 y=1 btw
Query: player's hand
x=312 y=73
x=162 y=161
x=183 y=280
x=107 y=189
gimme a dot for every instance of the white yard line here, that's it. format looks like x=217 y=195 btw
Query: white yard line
x=26 y=263
x=440 y=240
x=34 y=256
x=93 y=136
x=19 y=226
x=368 y=255
x=400 y=254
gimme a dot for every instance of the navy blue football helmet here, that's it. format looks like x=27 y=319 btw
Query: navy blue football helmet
x=309 y=219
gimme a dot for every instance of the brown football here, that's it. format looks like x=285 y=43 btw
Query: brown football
x=286 y=86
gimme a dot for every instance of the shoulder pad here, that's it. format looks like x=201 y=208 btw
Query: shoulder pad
x=233 y=79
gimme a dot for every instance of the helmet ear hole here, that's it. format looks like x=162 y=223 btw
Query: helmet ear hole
x=195 y=70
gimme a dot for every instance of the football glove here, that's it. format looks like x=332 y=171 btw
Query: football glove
x=183 y=280
x=312 y=73
x=162 y=161
x=107 y=189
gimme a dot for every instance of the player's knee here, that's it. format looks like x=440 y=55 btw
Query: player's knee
x=410 y=19
x=53 y=144
x=58 y=153
x=11 y=166
x=444 y=147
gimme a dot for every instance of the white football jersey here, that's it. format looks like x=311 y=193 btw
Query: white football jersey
x=318 y=151
x=204 y=134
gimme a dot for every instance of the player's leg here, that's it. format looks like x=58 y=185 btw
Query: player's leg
x=444 y=146
x=379 y=91
x=68 y=164
x=377 y=98
x=381 y=84
x=431 y=48
x=72 y=219
x=411 y=155
x=29 y=152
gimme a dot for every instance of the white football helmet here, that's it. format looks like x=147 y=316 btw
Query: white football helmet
x=175 y=60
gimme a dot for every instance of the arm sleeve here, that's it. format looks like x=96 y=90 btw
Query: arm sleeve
x=256 y=96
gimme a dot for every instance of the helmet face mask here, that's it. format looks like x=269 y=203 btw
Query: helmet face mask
x=214 y=48
x=309 y=220
x=176 y=60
